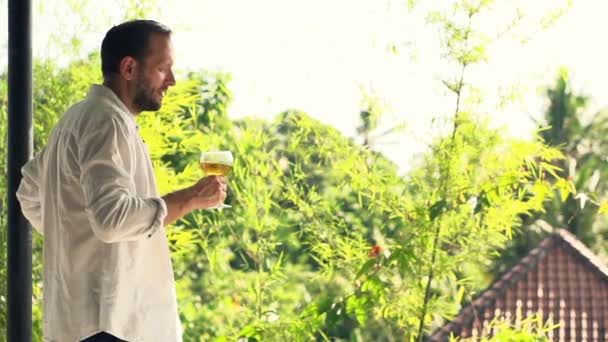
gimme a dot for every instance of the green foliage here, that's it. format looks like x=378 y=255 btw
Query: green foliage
x=463 y=44
x=529 y=329
x=138 y=9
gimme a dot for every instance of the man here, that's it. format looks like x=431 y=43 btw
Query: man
x=91 y=192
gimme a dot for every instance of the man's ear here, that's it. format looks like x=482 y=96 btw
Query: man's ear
x=128 y=68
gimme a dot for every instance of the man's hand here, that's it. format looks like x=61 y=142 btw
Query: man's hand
x=208 y=192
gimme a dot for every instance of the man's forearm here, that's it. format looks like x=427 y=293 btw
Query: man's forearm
x=178 y=205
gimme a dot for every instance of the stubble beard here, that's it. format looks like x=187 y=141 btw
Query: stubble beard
x=144 y=97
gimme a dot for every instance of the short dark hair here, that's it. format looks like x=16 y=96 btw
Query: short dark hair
x=130 y=38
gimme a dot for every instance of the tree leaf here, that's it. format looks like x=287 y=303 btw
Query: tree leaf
x=437 y=209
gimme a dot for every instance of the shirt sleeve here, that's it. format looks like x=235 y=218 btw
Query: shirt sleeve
x=28 y=192
x=114 y=210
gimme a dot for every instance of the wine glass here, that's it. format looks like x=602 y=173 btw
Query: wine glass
x=217 y=163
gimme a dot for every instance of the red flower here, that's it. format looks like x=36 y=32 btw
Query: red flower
x=569 y=178
x=375 y=251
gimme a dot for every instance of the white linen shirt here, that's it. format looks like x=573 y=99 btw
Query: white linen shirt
x=91 y=192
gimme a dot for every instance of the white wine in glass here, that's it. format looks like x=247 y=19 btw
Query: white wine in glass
x=217 y=163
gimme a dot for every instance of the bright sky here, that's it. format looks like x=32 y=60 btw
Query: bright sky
x=316 y=55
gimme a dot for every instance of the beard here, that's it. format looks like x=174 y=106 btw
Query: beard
x=144 y=95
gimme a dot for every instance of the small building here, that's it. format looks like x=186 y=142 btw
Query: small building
x=560 y=279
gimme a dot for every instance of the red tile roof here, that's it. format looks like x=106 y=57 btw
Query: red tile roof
x=561 y=279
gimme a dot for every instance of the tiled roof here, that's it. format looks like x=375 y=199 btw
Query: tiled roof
x=560 y=279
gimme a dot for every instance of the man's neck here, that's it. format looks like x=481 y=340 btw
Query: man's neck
x=121 y=91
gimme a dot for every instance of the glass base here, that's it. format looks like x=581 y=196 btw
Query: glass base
x=221 y=206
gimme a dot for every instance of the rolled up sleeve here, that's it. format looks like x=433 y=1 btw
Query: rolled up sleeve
x=115 y=212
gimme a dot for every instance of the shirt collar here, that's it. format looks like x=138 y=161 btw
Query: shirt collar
x=101 y=91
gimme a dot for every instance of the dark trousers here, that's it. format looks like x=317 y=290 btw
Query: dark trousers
x=102 y=337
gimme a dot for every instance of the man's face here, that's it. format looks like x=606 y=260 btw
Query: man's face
x=154 y=75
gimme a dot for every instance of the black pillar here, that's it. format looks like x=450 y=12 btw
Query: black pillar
x=19 y=152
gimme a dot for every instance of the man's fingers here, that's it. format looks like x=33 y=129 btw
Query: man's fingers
x=221 y=179
x=212 y=186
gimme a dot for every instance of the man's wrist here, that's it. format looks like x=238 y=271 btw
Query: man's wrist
x=181 y=200
x=189 y=195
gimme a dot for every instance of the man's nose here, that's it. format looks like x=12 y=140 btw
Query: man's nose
x=171 y=79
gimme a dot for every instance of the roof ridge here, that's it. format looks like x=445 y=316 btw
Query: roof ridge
x=582 y=250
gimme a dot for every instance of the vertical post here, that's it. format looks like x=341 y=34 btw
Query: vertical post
x=20 y=145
